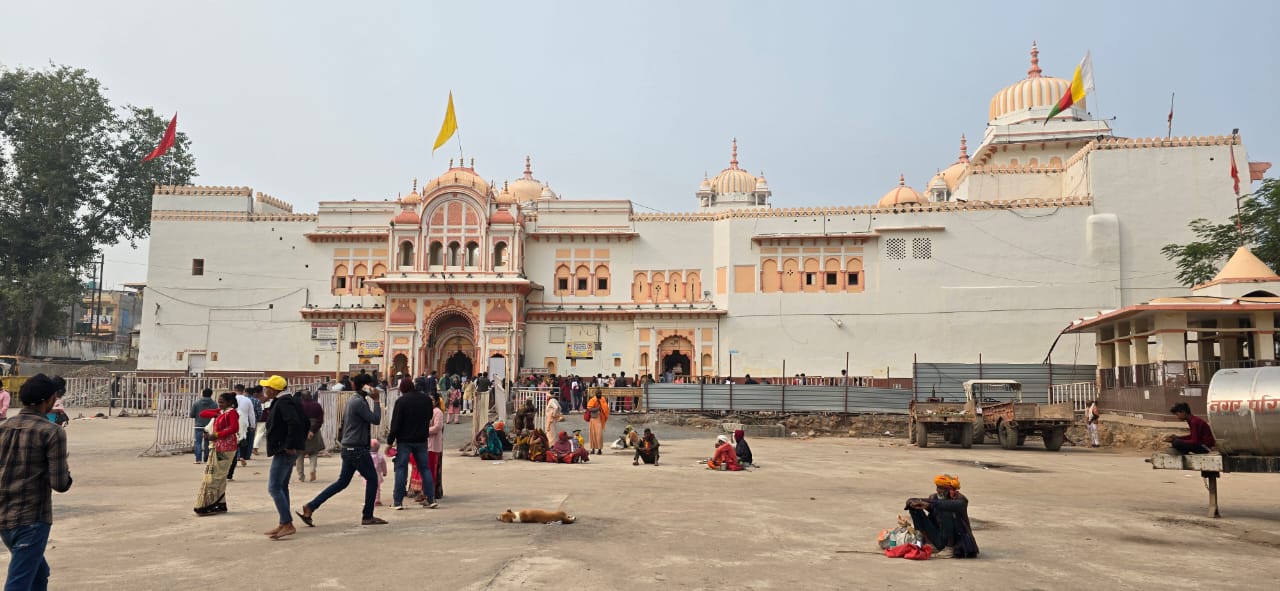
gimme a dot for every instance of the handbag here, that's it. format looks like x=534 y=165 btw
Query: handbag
x=586 y=415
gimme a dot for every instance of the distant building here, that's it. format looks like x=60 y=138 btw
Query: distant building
x=1041 y=224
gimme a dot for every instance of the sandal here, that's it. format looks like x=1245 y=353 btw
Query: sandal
x=373 y=521
x=305 y=516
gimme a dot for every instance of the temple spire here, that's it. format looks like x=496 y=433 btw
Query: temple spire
x=1034 y=71
x=964 y=150
x=733 y=161
x=528 y=169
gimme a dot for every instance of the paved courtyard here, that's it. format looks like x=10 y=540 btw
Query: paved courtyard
x=1079 y=519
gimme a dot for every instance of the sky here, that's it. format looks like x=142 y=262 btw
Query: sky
x=322 y=101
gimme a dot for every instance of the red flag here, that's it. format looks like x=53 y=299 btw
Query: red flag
x=171 y=132
x=1235 y=173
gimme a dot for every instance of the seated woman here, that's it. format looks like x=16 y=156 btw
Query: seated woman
x=538 y=446
x=742 y=449
x=501 y=428
x=492 y=448
x=525 y=417
x=943 y=518
x=725 y=457
x=646 y=449
x=565 y=452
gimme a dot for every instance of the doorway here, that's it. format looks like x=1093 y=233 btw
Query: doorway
x=458 y=364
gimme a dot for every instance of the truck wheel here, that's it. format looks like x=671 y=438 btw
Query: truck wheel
x=979 y=435
x=966 y=436
x=1022 y=438
x=922 y=435
x=911 y=432
x=1008 y=436
x=1053 y=439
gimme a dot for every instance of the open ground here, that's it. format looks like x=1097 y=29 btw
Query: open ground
x=1077 y=519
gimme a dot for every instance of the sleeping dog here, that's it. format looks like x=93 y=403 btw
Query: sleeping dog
x=535 y=516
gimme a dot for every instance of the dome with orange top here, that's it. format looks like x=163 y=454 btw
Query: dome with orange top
x=458 y=176
x=901 y=195
x=1035 y=91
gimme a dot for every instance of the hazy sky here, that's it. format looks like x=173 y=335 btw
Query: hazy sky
x=636 y=100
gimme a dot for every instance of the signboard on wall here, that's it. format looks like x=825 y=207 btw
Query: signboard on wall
x=370 y=348
x=326 y=345
x=326 y=331
x=579 y=349
x=355 y=368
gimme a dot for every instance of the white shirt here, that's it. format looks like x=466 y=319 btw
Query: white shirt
x=244 y=408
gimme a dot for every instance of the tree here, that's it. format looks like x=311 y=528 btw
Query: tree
x=71 y=182
x=1200 y=260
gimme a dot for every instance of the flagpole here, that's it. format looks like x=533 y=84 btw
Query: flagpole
x=1170 y=134
x=1235 y=177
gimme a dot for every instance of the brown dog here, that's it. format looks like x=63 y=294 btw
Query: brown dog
x=535 y=516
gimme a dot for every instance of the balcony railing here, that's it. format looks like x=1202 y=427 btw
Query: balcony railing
x=1170 y=373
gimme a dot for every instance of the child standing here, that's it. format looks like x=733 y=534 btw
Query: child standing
x=379 y=466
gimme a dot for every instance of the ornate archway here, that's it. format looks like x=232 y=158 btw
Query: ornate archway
x=676 y=353
x=450 y=343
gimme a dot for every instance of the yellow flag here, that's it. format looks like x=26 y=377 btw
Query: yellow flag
x=449 y=126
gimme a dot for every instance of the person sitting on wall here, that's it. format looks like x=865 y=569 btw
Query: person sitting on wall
x=1199 y=441
x=943 y=518
x=749 y=380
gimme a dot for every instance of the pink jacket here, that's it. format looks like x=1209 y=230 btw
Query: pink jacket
x=435 y=433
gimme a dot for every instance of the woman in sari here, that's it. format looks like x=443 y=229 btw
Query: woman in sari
x=725 y=458
x=492 y=448
x=538 y=446
x=599 y=409
x=435 y=450
x=565 y=452
x=226 y=424
x=553 y=414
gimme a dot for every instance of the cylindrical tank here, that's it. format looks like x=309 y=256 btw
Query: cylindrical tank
x=1244 y=410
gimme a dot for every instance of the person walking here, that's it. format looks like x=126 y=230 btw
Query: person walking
x=33 y=464
x=410 y=428
x=205 y=402
x=552 y=413
x=598 y=408
x=363 y=410
x=286 y=437
x=1091 y=416
x=248 y=426
x=315 y=439
x=213 y=489
x=5 y=399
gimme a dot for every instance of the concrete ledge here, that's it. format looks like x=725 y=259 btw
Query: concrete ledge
x=755 y=430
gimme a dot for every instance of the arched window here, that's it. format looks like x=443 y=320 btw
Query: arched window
x=769 y=276
x=640 y=288
x=379 y=270
x=499 y=254
x=358 y=275
x=854 y=277
x=831 y=279
x=406 y=254
x=340 y=279
x=602 y=280
x=436 y=256
x=812 y=281
x=454 y=254
x=644 y=362
x=562 y=280
x=473 y=252
x=582 y=281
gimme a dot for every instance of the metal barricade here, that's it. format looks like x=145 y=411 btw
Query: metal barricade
x=539 y=398
x=85 y=392
x=1079 y=394
x=175 y=429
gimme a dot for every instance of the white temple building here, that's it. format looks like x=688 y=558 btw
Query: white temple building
x=1040 y=225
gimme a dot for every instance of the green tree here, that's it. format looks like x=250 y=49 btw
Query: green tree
x=1200 y=260
x=71 y=182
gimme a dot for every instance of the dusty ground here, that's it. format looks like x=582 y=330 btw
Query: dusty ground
x=1077 y=519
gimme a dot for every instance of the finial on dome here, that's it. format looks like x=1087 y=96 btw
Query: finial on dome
x=473 y=163
x=1034 y=71
x=451 y=163
x=964 y=149
x=902 y=180
x=733 y=162
x=528 y=169
x=415 y=184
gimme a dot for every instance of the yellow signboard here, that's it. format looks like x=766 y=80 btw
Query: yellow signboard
x=579 y=349
x=370 y=348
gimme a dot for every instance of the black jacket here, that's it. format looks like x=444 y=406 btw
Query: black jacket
x=286 y=425
x=410 y=419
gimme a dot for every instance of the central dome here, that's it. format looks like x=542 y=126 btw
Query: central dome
x=733 y=179
x=1035 y=91
x=460 y=175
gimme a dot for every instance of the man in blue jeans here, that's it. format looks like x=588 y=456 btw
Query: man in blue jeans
x=205 y=402
x=33 y=464
x=286 y=438
x=362 y=411
x=410 y=427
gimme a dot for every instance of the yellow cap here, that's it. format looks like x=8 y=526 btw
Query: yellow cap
x=276 y=383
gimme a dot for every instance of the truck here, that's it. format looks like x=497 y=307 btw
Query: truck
x=9 y=365
x=1010 y=420
x=954 y=421
x=1244 y=412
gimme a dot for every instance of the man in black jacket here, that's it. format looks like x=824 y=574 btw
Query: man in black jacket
x=410 y=426
x=286 y=438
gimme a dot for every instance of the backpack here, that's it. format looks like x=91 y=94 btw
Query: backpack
x=257 y=408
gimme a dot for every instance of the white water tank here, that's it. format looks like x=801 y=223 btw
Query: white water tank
x=1244 y=411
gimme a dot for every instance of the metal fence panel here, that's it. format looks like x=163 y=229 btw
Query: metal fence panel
x=775 y=398
x=946 y=380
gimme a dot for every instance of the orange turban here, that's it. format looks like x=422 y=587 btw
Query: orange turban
x=947 y=480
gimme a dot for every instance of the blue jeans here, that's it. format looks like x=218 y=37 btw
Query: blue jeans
x=354 y=459
x=278 y=484
x=27 y=567
x=201 y=452
x=419 y=451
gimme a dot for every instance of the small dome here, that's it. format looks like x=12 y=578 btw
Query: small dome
x=705 y=186
x=1034 y=91
x=733 y=179
x=901 y=195
x=406 y=218
x=762 y=186
x=459 y=176
x=412 y=198
x=526 y=188
x=547 y=193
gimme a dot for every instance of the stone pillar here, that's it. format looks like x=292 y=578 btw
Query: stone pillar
x=1124 y=347
x=1171 y=335
x=1264 y=337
